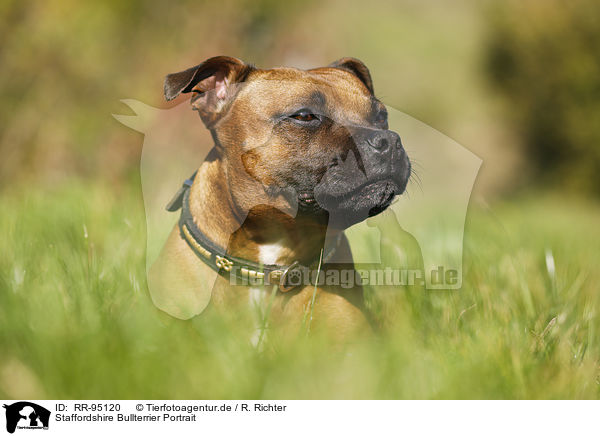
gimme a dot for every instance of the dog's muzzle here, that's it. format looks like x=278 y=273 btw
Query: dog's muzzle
x=365 y=180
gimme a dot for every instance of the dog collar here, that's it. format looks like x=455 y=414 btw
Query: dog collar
x=215 y=257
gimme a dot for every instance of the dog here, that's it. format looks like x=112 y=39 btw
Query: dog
x=298 y=156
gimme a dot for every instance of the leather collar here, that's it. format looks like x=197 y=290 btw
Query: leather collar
x=245 y=271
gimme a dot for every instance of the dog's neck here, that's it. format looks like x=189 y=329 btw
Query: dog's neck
x=262 y=235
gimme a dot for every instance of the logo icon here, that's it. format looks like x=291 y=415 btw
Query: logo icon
x=26 y=415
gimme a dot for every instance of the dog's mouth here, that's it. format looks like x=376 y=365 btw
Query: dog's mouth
x=367 y=200
x=308 y=205
x=306 y=198
x=387 y=195
x=349 y=193
x=378 y=193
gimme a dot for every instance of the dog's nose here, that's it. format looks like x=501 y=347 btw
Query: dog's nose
x=383 y=141
x=380 y=141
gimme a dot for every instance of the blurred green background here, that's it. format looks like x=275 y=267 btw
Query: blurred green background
x=516 y=82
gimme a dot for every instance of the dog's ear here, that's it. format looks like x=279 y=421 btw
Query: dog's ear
x=357 y=68
x=211 y=82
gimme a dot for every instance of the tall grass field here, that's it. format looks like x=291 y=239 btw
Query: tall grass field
x=76 y=319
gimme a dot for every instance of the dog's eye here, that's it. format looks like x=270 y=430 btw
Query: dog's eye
x=304 y=115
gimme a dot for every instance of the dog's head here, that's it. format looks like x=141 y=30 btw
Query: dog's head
x=318 y=139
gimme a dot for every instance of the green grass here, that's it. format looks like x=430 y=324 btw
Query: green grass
x=76 y=320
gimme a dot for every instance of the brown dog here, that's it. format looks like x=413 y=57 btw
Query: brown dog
x=298 y=157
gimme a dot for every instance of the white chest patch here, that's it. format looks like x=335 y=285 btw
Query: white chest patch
x=268 y=254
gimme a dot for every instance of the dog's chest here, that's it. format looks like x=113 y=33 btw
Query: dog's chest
x=268 y=254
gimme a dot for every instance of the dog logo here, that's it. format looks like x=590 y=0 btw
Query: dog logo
x=26 y=415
